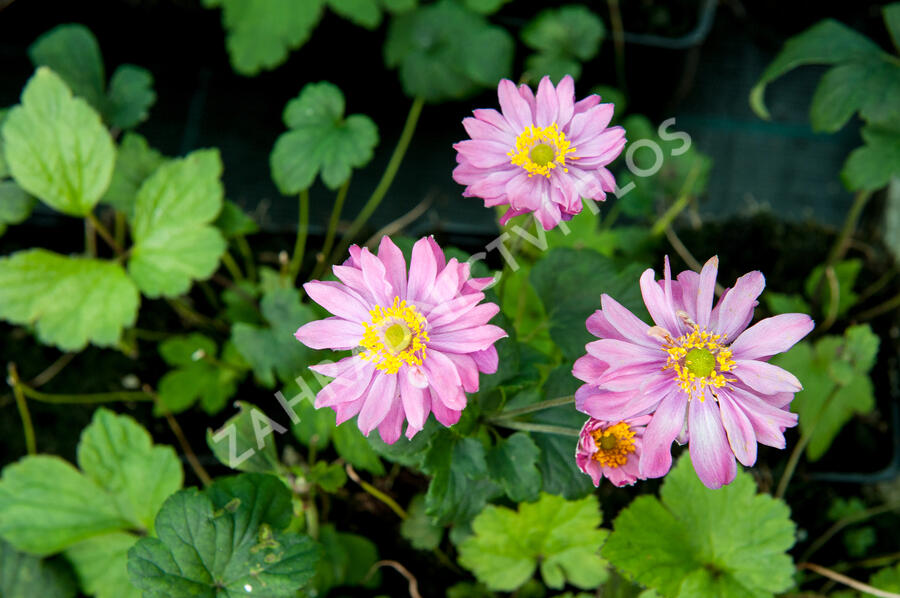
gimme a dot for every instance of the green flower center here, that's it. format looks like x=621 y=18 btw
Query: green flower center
x=700 y=362
x=608 y=443
x=542 y=154
x=397 y=338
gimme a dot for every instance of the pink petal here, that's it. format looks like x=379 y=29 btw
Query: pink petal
x=627 y=324
x=711 y=455
x=547 y=103
x=706 y=291
x=379 y=400
x=492 y=117
x=735 y=310
x=392 y=424
x=347 y=388
x=486 y=359
x=513 y=106
x=739 y=430
x=620 y=354
x=565 y=97
x=525 y=192
x=478 y=315
x=444 y=380
x=466 y=341
x=656 y=459
x=658 y=305
x=394 y=264
x=769 y=422
x=444 y=414
x=375 y=275
x=416 y=402
x=689 y=282
x=422 y=270
x=772 y=336
x=467 y=369
x=338 y=299
x=598 y=325
x=592 y=120
x=764 y=377
x=588 y=368
x=330 y=333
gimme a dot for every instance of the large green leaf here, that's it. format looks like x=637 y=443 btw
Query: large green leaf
x=135 y=161
x=418 y=528
x=260 y=36
x=118 y=453
x=320 y=140
x=56 y=146
x=71 y=301
x=870 y=86
x=226 y=542
x=460 y=487
x=15 y=204
x=174 y=241
x=702 y=543
x=26 y=576
x=891 y=14
x=101 y=564
x=872 y=166
x=559 y=535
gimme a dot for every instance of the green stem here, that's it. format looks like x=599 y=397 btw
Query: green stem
x=840 y=245
x=121 y=225
x=376 y=493
x=529 y=427
x=247 y=254
x=386 y=179
x=535 y=407
x=104 y=233
x=846 y=521
x=312 y=516
x=232 y=267
x=302 y=233
x=332 y=228
x=84 y=399
x=684 y=197
x=889 y=305
x=90 y=239
x=22 y=404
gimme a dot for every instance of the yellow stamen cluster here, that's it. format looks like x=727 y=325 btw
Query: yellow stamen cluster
x=541 y=149
x=396 y=335
x=613 y=445
x=699 y=360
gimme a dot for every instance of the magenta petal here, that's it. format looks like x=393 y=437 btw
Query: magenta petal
x=588 y=368
x=739 y=430
x=620 y=354
x=547 y=103
x=330 y=333
x=414 y=402
x=444 y=414
x=736 y=307
x=487 y=360
x=772 y=336
x=378 y=402
x=768 y=422
x=598 y=325
x=422 y=271
x=706 y=291
x=513 y=106
x=629 y=325
x=467 y=341
x=390 y=427
x=444 y=380
x=665 y=425
x=710 y=453
x=764 y=377
x=347 y=387
x=394 y=264
x=337 y=299
x=659 y=307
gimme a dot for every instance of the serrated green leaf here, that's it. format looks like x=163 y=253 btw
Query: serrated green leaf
x=561 y=535
x=459 y=487
x=101 y=564
x=226 y=542
x=346 y=561
x=572 y=32
x=130 y=96
x=38 y=286
x=174 y=241
x=445 y=51
x=513 y=464
x=702 y=543
x=56 y=147
x=418 y=528
x=246 y=441
x=320 y=140
x=15 y=204
x=260 y=36
x=870 y=86
x=234 y=222
x=135 y=161
x=827 y=42
x=26 y=576
x=330 y=477
x=118 y=453
x=845 y=272
x=72 y=52
x=199 y=375
x=872 y=166
x=366 y=13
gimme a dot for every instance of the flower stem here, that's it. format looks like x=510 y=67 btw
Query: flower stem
x=231 y=265
x=332 y=228
x=386 y=179
x=801 y=444
x=375 y=492
x=684 y=197
x=21 y=403
x=530 y=427
x=847 y=581
x=247 y=254
x=840 y=245
x=104 y=233
x=300 y=243
x=83 y=399
x=532 y=408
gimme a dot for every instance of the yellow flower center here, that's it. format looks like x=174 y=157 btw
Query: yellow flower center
x=396 y=335
x=613 y=445
x=541 y=149
x=699 y=360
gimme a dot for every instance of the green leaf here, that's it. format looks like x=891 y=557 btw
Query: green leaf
x=572 y=32
x=446 y=52
x=353 y=447
x=346 y=560
x=223 y=543
x=782 y=303
x=320 y=140
x=365 y=13
x=398 y=6
x=260 y=36
x=135 y=161
x=118 y=453
x=845 y=272
x=485 y=7
x=418 y=527
x=827 y=42
x=872 y=166
x=25 y=576
x=892 y=218
x=513 y=464
x=212 y=381
x=702 y=543
x=870 y=86
x=101 y=564
x=559 y=473
x=274 y=350
x=246 y=441
x=174 y=242
x=561 y=535
x=891 y=13
x=130 y=96
x=38 y=286
x=330 y=477
x=233 y=222
x=459 y=487
x=887 y=579
x=553 y=65
x=57 y=148
x=15 y=205
x=469 y=590
x=524 y=309
x=72 y=52
x=47 y=505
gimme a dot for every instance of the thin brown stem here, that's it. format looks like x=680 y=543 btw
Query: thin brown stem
x=52 y=370
x=839 y=525
x=847 y=581
x=687 y=256
x=413 y=583
x=400 y=223
x=882 y=308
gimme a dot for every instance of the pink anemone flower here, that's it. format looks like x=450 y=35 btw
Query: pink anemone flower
x=419 y=341
x=541 y=154
x=611 y=450
x=701 y=373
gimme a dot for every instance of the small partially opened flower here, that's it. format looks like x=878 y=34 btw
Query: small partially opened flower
x=419 y=341
x=611 y=450
x=541 y=154
x=700 y=371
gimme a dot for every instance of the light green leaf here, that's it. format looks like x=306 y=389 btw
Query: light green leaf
x=233 y=222
x=174 y=242
x=513 y=464
x=118 y=453
x=72 y=52
x=226 y=542
x=246 y=441
x=561 y=535
x=47 y=505
x=887 y=579
x=26 y=576
x=135 y=161
x=418 y=527
x=827 y=42
x=199 y=375
x=320 y=140
x=365 y=13
x=872 y=166
x=56 y=146
x=40 y=287
x=130 y=96
x=702 y=543
x=782 y=303
x=260 y=36
x=570 y=32
x=4 y=168
x=101 y=564
x=15 y=204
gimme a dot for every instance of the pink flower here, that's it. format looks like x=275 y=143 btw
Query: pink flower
x=700 y=371
x=611 y=449
x=542 y=154
x=423 y=339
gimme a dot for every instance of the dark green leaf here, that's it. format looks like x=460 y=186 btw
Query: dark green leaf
x=418 y=528
x=72 y=52
x=870 y=86
x=845 y=272
x=135 y=161
x=346 y=560
x=234 y=222
x=366 y=13
x=350 y=444
x=459 y=488
x=891 y=14
x=552 y=65
x=25 y=576
x=781 y=303
x=871 y=166
x=573 y=32
x=130 y=96
x=513 y=464
x=485 y=7
x=246 y=441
